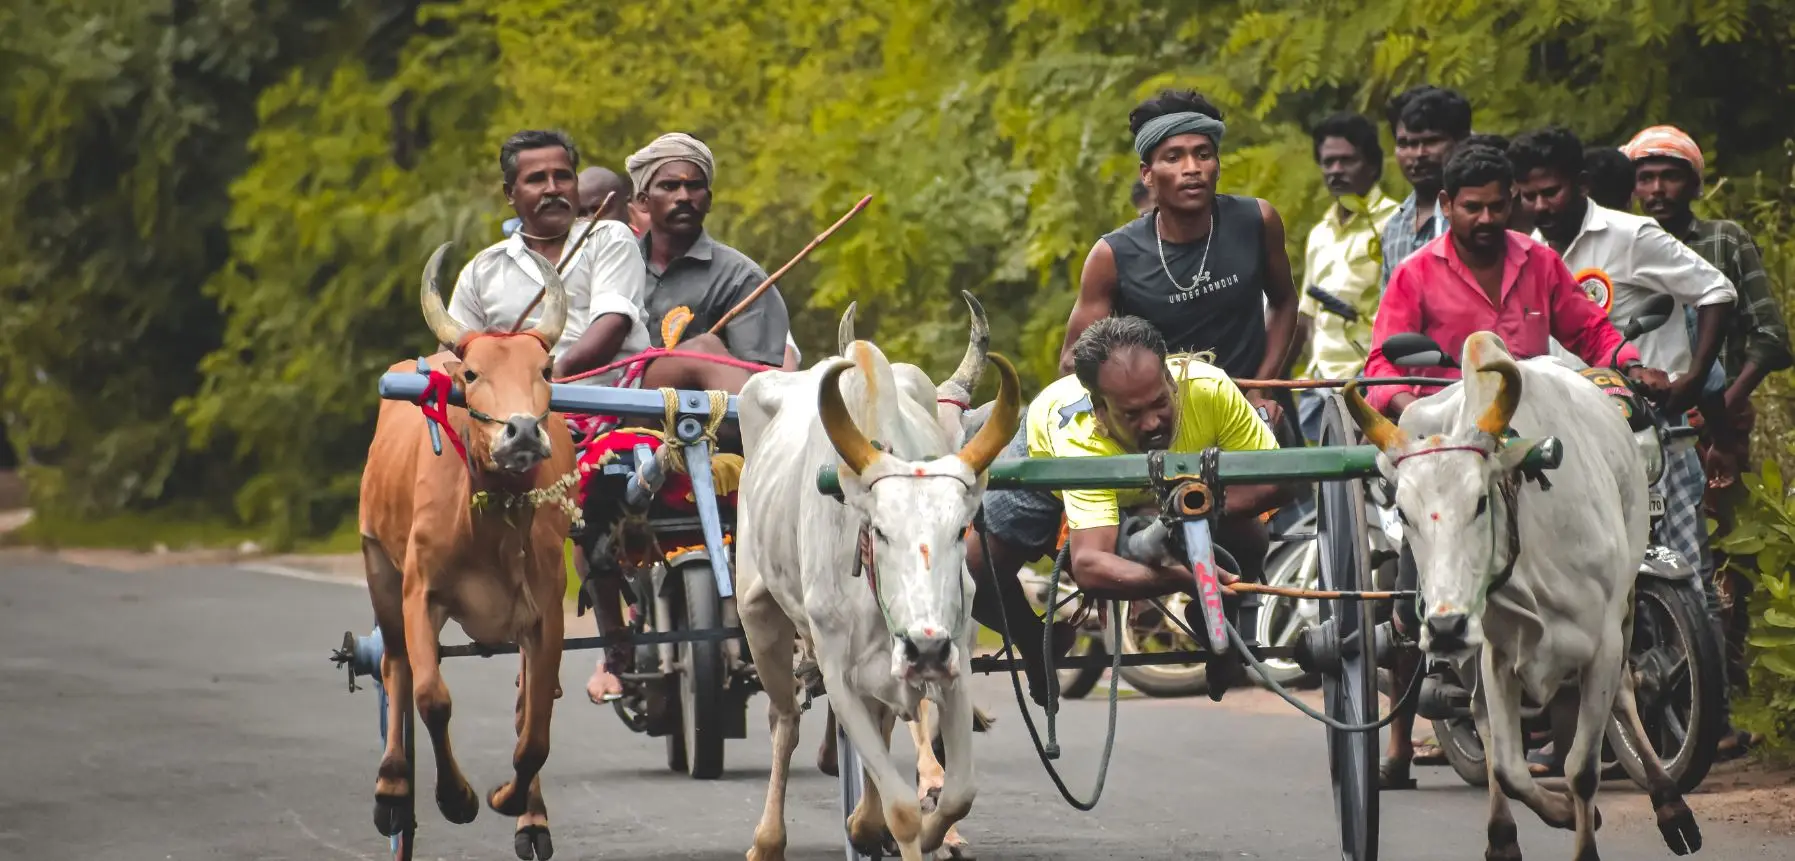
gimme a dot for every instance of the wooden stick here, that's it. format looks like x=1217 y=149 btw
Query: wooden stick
x=1290 y=592
x=561 y=266
x=740 y=306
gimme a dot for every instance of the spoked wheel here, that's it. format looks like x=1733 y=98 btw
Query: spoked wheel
x=1147 y=630
x=701 y=675
x=1351 y=695
x=1680 y=683
x=402 y=842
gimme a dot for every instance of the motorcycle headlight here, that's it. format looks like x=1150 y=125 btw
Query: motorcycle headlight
x=1651 y=452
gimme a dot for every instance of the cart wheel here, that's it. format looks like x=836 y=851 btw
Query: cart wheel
x=701 y=676
x=1350 y=696
x=852 y=775
x=402 y=842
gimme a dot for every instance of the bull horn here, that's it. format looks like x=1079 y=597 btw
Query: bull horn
x=1508 y=396
x=844 y=333
x=554 y=301
x=965 y=379
x=984 y=448
x=1382 y=432
x=850 y=442
x=448 y=332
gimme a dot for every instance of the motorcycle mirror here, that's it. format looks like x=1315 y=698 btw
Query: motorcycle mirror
x=1415 y=350
x=1654 y=313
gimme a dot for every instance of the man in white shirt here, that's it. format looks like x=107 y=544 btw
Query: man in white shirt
x=1621 y=259
x=604 y=279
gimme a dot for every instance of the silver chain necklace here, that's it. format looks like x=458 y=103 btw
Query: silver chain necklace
x=1202 y=267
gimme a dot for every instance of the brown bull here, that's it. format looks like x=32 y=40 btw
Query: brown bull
x=496 y=568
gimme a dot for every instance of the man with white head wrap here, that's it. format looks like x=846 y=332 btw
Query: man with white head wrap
x=674 y=177
x=685 y=268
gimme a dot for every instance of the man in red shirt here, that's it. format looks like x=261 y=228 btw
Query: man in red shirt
x=1480 y=276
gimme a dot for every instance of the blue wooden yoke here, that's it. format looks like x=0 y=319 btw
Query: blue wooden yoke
x=692 y=410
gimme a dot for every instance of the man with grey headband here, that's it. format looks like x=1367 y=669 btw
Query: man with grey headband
x=1208 y=270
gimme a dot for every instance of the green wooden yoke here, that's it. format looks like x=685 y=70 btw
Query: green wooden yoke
x=1130 y=471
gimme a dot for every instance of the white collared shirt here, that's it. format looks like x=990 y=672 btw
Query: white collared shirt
x=605 y=276
x=1621 y=260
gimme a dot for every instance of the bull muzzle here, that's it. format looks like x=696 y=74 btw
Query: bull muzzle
x=927 y=654
x=520 y=444
x=1448 y=634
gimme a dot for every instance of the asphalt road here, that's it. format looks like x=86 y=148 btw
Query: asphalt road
x=191 y=713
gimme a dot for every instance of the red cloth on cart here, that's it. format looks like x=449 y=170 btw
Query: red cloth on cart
x=676 y=490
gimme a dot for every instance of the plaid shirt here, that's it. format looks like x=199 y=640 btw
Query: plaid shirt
x=1757 y=331
x=1400 y=238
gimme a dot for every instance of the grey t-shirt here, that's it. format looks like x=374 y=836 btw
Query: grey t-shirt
x=709 y=279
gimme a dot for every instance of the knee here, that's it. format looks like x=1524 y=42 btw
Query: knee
x=706 y=343
x=432 y=698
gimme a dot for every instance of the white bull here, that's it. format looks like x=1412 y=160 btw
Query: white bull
x=1538 y=580
x=891 y=634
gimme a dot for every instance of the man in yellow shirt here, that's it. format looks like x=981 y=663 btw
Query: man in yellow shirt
x=1125 y=397
x=1340 y=259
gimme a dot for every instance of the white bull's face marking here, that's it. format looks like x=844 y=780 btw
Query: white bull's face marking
x=1457 y=528
x=917 y=515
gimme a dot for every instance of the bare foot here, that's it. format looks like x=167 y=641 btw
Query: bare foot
x=604 y=686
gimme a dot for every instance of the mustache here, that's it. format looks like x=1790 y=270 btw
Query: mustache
x=552 y=202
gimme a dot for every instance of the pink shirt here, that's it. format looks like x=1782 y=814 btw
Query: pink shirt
x=1434 y=294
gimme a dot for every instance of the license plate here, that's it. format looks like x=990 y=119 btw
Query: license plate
x=1655 y=507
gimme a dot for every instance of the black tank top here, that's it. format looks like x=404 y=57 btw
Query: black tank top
x=1224 y=312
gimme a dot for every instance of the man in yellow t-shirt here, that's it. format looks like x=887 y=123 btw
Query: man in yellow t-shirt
x=1125 y=397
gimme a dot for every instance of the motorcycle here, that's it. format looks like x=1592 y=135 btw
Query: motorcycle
x=1675 y=655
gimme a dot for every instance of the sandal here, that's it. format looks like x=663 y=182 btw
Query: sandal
x=1393 y=775
x=1542 y=762
x=1736 y=744
x=1428 y=754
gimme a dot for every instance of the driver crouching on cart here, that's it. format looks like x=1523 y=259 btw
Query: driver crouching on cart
x=1125 y=397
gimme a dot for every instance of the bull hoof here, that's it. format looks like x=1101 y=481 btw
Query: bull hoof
x=1677 y=823
x=391 y=814
x=955 y=852
x=505 y=800
x=459 y=804
x=874 y=845
x=1511 y=852
x=532 y=842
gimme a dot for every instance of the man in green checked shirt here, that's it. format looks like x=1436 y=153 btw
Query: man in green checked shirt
x=1668 y=168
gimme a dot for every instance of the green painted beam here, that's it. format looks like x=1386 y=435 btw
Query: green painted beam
x=1129 y=471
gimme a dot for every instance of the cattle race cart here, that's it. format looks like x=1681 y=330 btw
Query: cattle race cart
x=1344 y=648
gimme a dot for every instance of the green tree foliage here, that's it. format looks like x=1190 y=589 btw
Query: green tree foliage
x=124 y=123
x=273 y=200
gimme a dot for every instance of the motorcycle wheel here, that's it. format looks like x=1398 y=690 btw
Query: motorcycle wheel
x=1680 y=684
x=1165 y=680
x=1282 y=620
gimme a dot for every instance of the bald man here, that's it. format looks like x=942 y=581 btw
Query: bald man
x=595 y=183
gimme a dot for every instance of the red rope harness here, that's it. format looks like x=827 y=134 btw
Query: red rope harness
x=649 y=355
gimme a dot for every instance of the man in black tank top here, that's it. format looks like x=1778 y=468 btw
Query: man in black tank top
x=1208 y=270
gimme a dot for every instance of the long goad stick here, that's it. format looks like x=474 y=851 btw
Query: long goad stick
x=567 y=258
x=749 y=299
